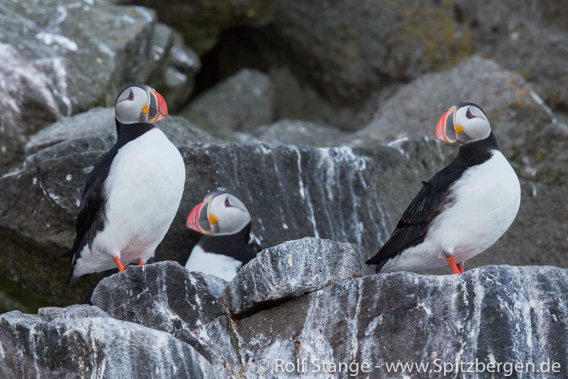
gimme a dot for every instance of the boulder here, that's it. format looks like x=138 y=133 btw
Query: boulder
x=202 y=21
x=342 y=194
x=60 y=59
x=83 y=341
x=239 y=103
x=528 y=38
x=298 y=132
x=349 y=49
x=290 y=270
x=493 y=314
x=96 y=130
x=514 y=110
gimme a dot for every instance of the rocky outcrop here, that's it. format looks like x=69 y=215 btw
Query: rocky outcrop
x=297 y=132
x=60 y=59
x=490 y=314
x=514 y=110
x=290 y=270
x=160 y=320
x=348 y=49
x=202 y=21
x=292 y=192
x=83 y=341
x=239 y=103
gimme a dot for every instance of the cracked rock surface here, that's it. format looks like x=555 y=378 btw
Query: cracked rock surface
x=162 y=321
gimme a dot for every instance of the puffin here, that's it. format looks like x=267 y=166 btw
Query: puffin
x=464 y=209
x=226 y=242
x=133 y=193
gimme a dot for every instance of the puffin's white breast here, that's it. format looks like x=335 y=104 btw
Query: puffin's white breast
x=486 y=200
x=144 y=189
x=220 y=265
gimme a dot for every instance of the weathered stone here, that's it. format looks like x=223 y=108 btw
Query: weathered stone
x=297 y=132
x=202 y=21
x=348 y=49
x=86 y=344
x=290 y=270
x=163 y=296
x=60 y=59
x=96 y=130
x=341 y=194
x=240 y=103
x=493 y=314
x=514 y=110
x=529 y=38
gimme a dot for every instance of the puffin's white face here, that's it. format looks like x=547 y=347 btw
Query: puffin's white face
x=220 y=213
x=463 y=123
x=140 y=103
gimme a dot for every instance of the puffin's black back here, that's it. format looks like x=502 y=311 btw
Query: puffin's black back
x=233 y=245
x=430 y=201
x=90 y=220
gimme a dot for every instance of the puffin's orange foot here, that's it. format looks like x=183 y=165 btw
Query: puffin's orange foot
x=140 y=263
x=118 y=263
x=452 y=263
x=460 y=267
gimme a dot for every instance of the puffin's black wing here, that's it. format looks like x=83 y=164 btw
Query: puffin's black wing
x=90 y=220
x=411 y=228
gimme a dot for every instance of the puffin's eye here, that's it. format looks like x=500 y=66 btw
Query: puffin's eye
x=468 y=114
x=227 y=202
x=131 y=95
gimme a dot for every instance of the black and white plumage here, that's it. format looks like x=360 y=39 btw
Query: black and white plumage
x=463 y=209
x=133 y=193
x=226 y=242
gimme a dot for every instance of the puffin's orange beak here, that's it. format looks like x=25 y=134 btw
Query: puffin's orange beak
x=157 y=108
x=445 y=131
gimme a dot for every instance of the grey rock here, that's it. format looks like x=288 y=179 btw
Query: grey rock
x=337 y=193
x=163 y=296
x=297 y=132
x=202 y=21
x=91 y=345
x=96 y=130
x=73 y=312
x=493 y=314
x=348 y=49
x=290 y=270
x=513 y=108
x=529 y=38
x=239 y=103
x=70 y=57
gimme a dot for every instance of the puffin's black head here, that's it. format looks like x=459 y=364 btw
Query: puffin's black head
x=140 y=103
x=220 y=213
x=464 y=123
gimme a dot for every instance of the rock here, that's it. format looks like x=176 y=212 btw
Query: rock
x=492 y=314
x=348 y=49
x=96 y=130
x=525 y=38
x=341 y=194
x=61 y=59
x=514 y=110
x=291 y=270
x=84 y=342
x=163 y=296
x=240 y=103
x=201 y=22
x=297 y=132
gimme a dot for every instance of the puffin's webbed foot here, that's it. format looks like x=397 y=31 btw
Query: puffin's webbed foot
x=118 y=264
x=452 y=263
